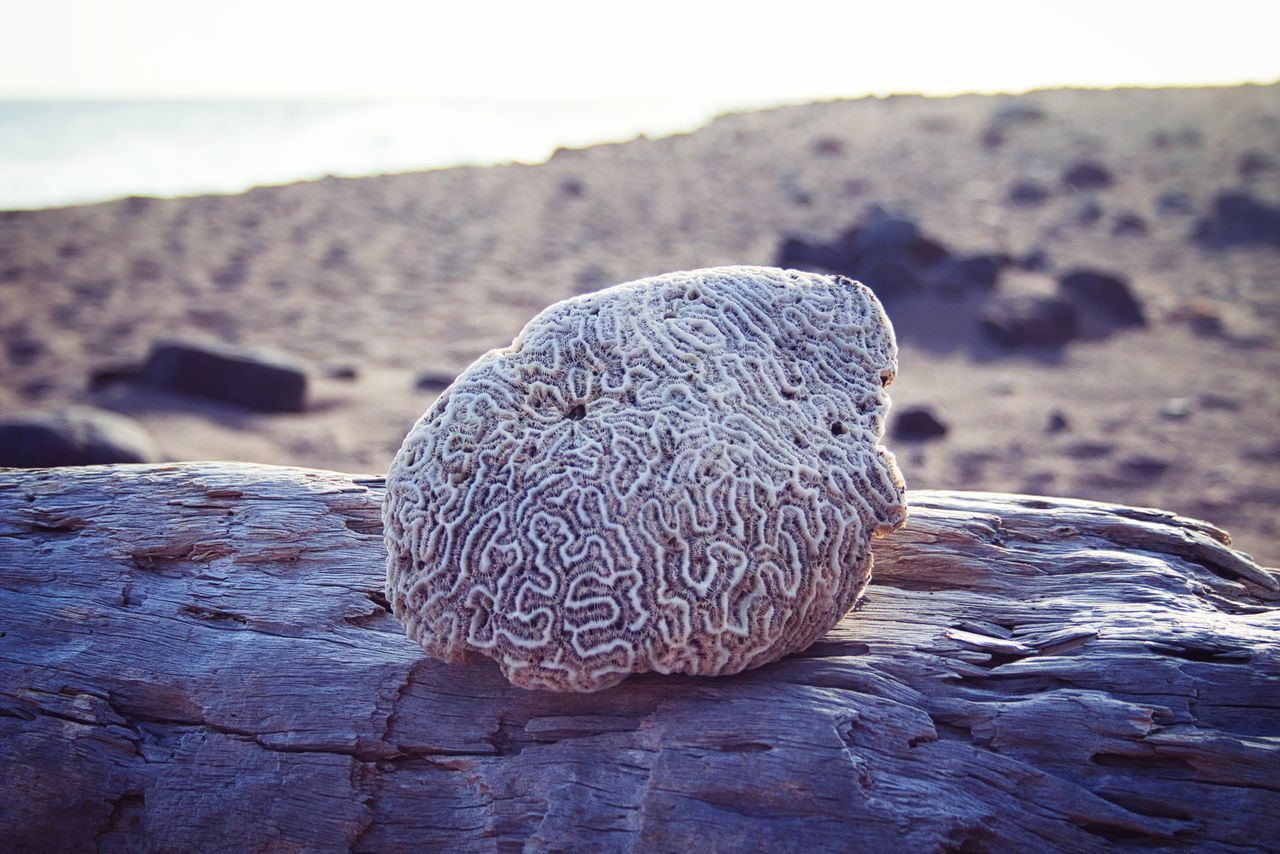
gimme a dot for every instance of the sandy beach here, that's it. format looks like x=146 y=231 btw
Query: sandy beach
x=379 y=282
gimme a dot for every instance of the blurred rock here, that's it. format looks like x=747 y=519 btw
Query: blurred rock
x=1058 y=422
x=828 y=146
x=342 y=372
x=1250 y=164
x=1087 y=175
x=267 y=382
x=1104 y=296
x=1088 y=211
x=1028 y=193
x=1026 y=321
x=433 y=381
x=1017 y=112
x=1176 y=407
x=1129 y=224
x=1213 y=400
x=1239 y=219
x=918 y=423
x=887 y=253
x=1089 y=450
x=959 y=274
x=75 y=436
x=24 y=351
x=1173 y=203
x=1144 y=467
x=1035 y=261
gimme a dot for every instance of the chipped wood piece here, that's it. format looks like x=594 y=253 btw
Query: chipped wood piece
x=199 y=656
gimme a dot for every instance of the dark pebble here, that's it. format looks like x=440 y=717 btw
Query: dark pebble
x=918 y=423
x=1103 y=295
x=1237 y=220
x=432 y=381
x=1028 y=193
x=76 y=436
x=1087 y=175
x=252 y=379
x=1173 y=203
x=1022 y=321
x=1129 y=225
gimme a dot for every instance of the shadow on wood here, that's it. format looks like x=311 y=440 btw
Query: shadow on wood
x=199 y=657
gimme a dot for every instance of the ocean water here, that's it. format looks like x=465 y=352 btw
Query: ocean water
x=55 y=153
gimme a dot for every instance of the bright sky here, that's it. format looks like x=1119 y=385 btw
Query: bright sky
x=773 y=51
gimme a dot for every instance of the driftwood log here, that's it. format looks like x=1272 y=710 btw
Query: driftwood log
x=198 y=657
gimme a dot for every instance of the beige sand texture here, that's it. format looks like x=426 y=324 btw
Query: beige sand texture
x=423 y=272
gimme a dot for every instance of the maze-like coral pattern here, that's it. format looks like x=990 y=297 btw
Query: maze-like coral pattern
x=680 y=474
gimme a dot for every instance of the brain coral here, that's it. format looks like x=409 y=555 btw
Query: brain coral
x=680 y=474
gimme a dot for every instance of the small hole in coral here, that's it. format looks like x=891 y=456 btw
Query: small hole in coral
x=577 y=413
x=886 y=378
x=837 y=428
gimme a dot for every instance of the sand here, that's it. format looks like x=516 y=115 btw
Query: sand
x=422 y=272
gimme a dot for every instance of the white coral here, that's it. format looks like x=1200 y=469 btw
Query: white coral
x=680 y=474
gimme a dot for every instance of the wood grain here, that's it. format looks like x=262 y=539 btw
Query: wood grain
x=198 y=657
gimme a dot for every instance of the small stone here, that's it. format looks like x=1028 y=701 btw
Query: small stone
x=1106 y=296
x=1144 y=467
x=74 y=436
x=828 y=146
x=1250 y=164
x=342 y=372
x=1087 y=450
x=961 y=274
x=1173 y=203
x=255 y=379
x=1129 y=224
x=1238 y=220
x=1176 y=407
x=432 y=381
x=1058 y=422
x=1035 y=261
x=1028 y=193
x=918 y=423
x=1087 y=175
x=1213 y=400
x=1088 y=211
x=1023 y=321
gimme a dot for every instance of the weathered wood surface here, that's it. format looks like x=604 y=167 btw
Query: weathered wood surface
x=197 y=657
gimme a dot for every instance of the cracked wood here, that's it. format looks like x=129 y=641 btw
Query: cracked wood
x=199 y=656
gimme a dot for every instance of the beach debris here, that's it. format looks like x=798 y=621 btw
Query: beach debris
x=1028 y=193
x=891 y=255
x=1252 y=163
x=1239 y=219
x=1173 y=203
x=918 y=424
x=73 y=436
x=1176 y=407
x=1087 y=175
x=254 y=379
x=1128 y=224
x=680 y=474
x=432 y=381
x=1087 y=210
x=1029 y=321
x=1104 y=297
